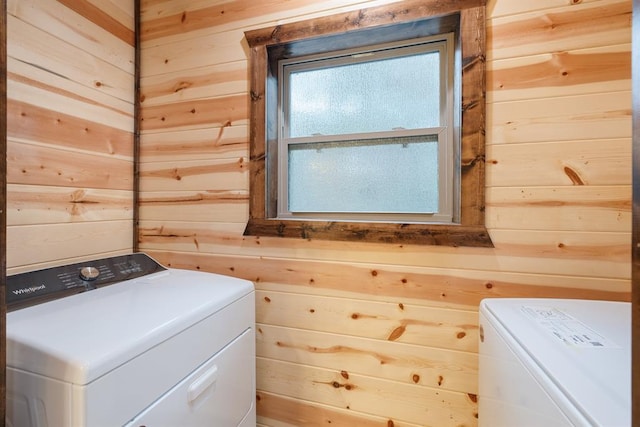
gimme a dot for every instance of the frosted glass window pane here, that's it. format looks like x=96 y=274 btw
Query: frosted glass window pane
x=375 y=176
x=366 y=97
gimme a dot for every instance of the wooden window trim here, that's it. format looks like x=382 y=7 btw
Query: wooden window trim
x=471 y=231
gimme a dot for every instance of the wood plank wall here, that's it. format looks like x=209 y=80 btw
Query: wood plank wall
x=370 y=334
x=70 y=89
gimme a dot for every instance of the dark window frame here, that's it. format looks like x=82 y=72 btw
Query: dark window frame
x=365 y=26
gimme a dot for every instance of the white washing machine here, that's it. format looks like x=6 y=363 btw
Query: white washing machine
x=554 y=362
x=124 y=341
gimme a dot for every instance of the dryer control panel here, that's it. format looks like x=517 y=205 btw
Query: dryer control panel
x=35 y=287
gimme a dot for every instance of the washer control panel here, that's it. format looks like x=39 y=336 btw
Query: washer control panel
x=35 y=287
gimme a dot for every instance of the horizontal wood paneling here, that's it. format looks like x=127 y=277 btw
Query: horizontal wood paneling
x=204 y=82
x=544 y=254
x=208 y=205
x=41 y=243
x=558 y=190
x=570 y=118
x=32 y=44
x=69 y=24
x=34 y=85
x=499 y=8
x=594 y=208
x=462 y=289
x=29 y=204
x=370 y=395
x=121 y=11
x=35 y=124
x=560 y=73
x=223 y=111
x=112 y=24
x=38 y=165
x=70 y=131
x=397 y=322
x=410 y=364
x=226 y=142
x=279 y=411
x=194 y=175
x=63 y=261
x=168 y=20
x=577 y=162
x=602 y=23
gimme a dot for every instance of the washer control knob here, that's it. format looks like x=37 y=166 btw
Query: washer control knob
x=89 y=274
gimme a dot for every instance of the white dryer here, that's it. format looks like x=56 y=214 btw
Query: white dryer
x=124 y=341
x=554 y=363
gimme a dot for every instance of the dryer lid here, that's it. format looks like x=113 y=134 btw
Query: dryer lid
x=80 y=338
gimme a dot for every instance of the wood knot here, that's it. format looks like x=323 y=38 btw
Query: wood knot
x=575 y=178
x=396 y=333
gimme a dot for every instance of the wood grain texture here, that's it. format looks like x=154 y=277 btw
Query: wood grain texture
x=194 y=175
x=277 y=410
x=560 y=73
x=70 y=24
x=551 y=257
x=204 y=82
x=57 y=243
x=32 y=45
x=574 y=26
x=409 y=364
x=397 y=322
x=359 y=393
x=557 y=187
x=225 y=142
x=225 y=111
x=45 y=126
x=594 y=208
x=101 y=19
x=442 y=287
x=29 y=204
x=70 y=128
x=583 y=162
x=208 y=205
x=41 y=88
x=569 y=118
x=39 y=165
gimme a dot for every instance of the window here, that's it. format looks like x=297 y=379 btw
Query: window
x=368 y=128
x=348 y=119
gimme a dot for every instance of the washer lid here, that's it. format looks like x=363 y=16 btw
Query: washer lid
x=82 y=337
x=583 y=347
